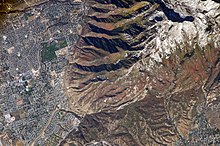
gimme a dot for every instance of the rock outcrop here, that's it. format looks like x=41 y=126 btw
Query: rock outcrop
x=145 y=72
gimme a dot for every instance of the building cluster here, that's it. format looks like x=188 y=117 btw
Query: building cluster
x=31 y=86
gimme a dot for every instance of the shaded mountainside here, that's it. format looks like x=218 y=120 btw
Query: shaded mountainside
x=144 y=72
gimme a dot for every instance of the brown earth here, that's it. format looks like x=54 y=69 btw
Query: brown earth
x=126 y=101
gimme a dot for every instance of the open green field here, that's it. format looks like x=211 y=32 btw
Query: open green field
x=48 y=51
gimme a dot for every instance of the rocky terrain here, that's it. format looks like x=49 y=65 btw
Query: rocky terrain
x=143 y=73
x=146 y=73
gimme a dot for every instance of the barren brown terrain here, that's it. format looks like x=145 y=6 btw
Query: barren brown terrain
x=129 y=98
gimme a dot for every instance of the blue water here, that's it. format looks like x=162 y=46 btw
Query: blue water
x=172 y=15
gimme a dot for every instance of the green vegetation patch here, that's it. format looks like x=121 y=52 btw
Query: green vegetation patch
x=49 y=49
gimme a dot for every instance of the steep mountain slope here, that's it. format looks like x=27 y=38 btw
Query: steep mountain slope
x=144 y=72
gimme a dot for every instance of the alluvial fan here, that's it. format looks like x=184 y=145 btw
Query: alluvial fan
x=144 y=71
